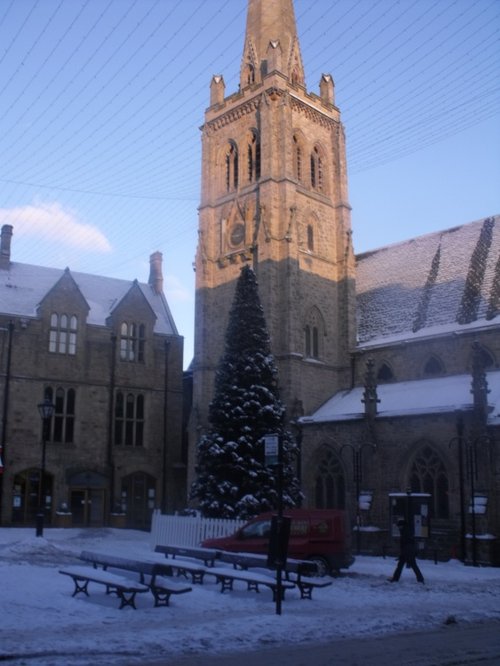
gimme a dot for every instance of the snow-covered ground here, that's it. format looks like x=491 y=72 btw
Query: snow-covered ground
x=42 y=624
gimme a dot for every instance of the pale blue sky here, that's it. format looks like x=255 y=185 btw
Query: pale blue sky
x=101 y=103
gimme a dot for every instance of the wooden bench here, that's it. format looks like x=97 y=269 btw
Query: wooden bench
x=183 y=566
x=142 y=567
x=124 y=588
x=226 y=578
x=207 y=555
x=306 y=585
x=161 y=587
x=252 y=560
x=243 y=560
x=188 y=567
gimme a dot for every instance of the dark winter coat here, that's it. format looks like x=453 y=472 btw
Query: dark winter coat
x=407 y=544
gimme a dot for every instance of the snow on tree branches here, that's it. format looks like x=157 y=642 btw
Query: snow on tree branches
x=233 y=480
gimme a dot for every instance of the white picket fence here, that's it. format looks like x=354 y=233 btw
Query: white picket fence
x=188 y=530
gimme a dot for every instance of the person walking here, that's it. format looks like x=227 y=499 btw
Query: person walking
x=407 y=553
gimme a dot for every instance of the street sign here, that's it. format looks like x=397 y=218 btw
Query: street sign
x=271 y=448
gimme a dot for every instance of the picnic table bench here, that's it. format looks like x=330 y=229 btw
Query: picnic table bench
x=160 y=585
x=106 y=561
x=306 y=585
x=184 y=566
x=249 y=560
x=294 y=570
x=124 y=588
x=207 y=555
x=226 y=578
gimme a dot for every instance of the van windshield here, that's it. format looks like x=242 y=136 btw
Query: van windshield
x=257 y=530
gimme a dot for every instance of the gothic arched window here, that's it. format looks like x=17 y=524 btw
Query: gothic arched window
x=249 y=74
x=433 y=366
x=329 y=492
x=486 y=359
x=317 y=175
x=314 y=332
x=310 y=237
x=297 y=158
x=385 y=373
x=428 y=475
x=253 y=157
x=231 y=167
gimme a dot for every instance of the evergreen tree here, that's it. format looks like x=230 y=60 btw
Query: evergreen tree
x=233 y=480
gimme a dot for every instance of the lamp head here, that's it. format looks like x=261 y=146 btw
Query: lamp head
x=46 y=409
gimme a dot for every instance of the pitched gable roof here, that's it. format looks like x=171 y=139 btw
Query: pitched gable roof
x=65 y=282
x=24 y=286
x=440 y=282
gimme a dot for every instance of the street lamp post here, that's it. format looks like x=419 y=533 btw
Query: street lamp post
x=46 y=410
x=472 y=471
x=460 y=441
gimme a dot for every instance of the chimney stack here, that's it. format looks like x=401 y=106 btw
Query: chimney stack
x=5 y=246
x=155 y=272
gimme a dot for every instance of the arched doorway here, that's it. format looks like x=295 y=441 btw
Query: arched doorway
x=138 y=499
x=28 y=494
x=88 y=498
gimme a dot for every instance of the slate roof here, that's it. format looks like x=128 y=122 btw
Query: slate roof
x=440 y=282
x=23 y=286
x=412 y=398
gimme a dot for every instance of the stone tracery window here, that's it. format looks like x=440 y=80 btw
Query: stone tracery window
x=62 y=424
x=385 y=373
x=249 y=74
x=329 y=482
x=433 y=366
x=253 y=157
x=129 y=419
x=310 y=238
x=62 y=334
x=317 y=170
x=314 y=332
x=428 y=475
x=132 y=342
x=297 y=158
x=231 y=167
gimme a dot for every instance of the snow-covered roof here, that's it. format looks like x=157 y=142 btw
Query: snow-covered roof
x=425 y=396
x=23 y=287
x=437 y=283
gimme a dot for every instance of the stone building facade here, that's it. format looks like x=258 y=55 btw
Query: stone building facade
x=388 y=361
x=107 y=355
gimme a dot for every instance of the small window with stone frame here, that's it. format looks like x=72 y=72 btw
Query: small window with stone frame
x=129 y=419
x=62 y=424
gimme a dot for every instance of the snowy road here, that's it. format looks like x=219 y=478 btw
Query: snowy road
x=453 y=645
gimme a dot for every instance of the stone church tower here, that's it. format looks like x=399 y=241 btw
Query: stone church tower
x=274 y=194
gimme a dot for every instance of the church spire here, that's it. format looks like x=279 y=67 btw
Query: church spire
x=271 y=43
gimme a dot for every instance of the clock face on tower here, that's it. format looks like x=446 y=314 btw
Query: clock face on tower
x=237 y=235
